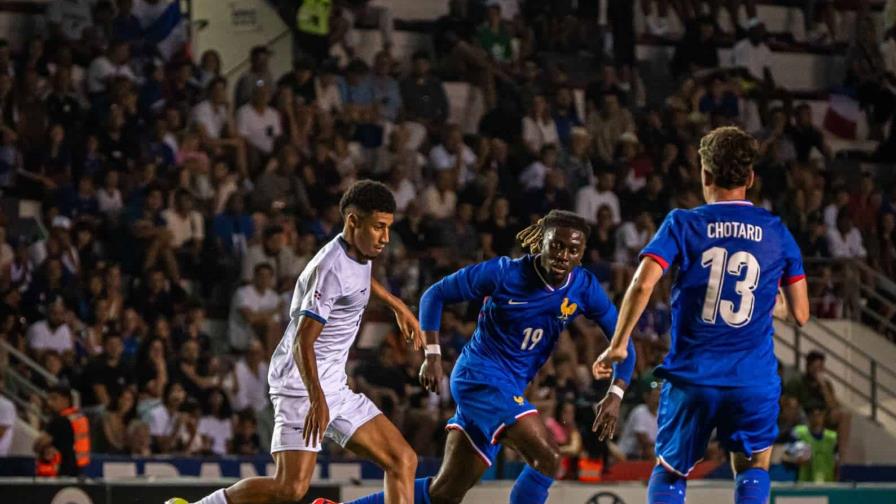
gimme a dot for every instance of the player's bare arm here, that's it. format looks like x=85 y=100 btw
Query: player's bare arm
x=797 y=298
x=607 y=414
x=431 y=369
x=636 y=297
x=407 y=322
x=303 y=350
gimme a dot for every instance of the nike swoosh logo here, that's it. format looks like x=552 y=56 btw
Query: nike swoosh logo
x=517 y=302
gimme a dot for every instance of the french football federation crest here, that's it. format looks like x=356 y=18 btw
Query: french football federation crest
x=518 y=399
x=567 y=309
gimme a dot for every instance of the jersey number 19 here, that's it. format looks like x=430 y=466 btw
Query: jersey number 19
x=531 y=337
x=720 y=265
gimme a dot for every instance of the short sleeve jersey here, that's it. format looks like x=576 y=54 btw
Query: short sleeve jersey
x=333 y=289
x=731 y=258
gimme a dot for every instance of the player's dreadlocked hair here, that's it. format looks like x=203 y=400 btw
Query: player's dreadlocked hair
x=532 y=236
x=367 y=196
x=728 y=153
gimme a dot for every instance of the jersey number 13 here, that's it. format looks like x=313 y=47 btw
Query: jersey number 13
x=720 y=266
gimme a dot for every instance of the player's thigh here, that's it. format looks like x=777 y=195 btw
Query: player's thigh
x=380 y=441
x=748 y=421
x=759 y=460
x=462 y=467
x=531 y=439
x=686 y=418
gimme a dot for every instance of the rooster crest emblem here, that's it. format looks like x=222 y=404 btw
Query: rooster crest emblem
x=518 y=399
x=567 y=309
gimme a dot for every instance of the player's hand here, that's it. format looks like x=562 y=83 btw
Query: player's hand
x=317 y=420
x=409 y=327
x=603 y=366
x=431 y=373
x=606 y=417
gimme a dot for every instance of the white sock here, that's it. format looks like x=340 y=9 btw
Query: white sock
x=215 y=498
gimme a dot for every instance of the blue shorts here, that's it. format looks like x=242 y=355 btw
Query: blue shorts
x=487 y=403
x=746 y=419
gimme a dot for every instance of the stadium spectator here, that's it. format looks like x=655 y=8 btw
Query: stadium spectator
x=245 y=438
x=818 y=461
x=806 y=136
x=255 y=311
x=272 y=250
x=452 y=154
x=165 y=419
x=216 y=424
x=107 y=376
x=139 y=439
x=113 y=437
x=562 y=426
x=639 y=432
x=814 y=388
x=7 y=418
x=68 y=433
x=257 y=76
x=591 y=198
x=52 y=334
x=607 y=125
x=539 y=128
x=259 y=123
x=845 y=240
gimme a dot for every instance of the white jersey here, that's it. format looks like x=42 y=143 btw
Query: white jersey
x=333 y=289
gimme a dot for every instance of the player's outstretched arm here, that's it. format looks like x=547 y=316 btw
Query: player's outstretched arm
x=636 y=297
x=797 y=298
x=303 y=352
x=407 y=322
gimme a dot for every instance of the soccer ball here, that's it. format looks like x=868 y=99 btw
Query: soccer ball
x=177 y=500
x=798 y=450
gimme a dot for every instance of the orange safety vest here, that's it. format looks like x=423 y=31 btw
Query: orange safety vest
x=81 y=428
x=48 y=468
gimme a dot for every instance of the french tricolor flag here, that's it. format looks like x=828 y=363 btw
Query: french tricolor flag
x=843 y=115
x=169 y=32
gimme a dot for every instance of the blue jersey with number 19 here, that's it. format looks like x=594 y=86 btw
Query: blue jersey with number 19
x=732 y=257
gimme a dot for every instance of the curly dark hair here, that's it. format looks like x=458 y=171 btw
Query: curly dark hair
x=531 y=237
x=728 y=153
x=366 y=197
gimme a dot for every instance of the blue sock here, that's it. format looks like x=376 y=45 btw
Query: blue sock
x=752 y=487
x=531 y=487
x=665 y=487
x=421 y=494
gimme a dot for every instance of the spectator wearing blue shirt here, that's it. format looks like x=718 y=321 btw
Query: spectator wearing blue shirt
x=719 y=100
x=387 y=95
x=233 y=228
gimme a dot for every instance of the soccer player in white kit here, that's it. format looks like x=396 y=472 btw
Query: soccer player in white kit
x=308 y=383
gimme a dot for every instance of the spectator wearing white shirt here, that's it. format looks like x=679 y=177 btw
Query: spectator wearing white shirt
x=7 y=418
x=251 y=379
x=453 y=154
x=639 y=433
x=165 y=418
x=631 y=237
x=533 y=176
x=109 y=196
x=255 y=311
x=51 y=334
x=216 y=424
x=66 y=19
x=589 y=199
x=212 y=115
x=113 y=64
x=539 y=128
x=401 y=186
x=832 y=211
x=258 y=123
x=752 y=53
x=845 y=240
x=185 y=224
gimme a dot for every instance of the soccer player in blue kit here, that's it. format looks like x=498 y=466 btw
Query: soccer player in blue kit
x=528 y=302
x=720 y=372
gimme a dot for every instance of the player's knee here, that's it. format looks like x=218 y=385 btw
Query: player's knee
x=548 y=461
x=291 y=491
x=403 y=462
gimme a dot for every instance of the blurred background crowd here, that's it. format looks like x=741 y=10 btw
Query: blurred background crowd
x=177 y=208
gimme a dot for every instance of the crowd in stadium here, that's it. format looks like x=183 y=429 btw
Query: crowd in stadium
x=170 y=198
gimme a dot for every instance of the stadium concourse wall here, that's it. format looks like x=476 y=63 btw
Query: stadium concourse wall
x=145 y=491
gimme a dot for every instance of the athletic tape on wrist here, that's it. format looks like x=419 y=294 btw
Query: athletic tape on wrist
x=617 y=390
x=434 y=349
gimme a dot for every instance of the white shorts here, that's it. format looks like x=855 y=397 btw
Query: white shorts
x=348 y=412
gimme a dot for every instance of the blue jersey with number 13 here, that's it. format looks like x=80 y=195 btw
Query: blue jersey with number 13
x=732 y=257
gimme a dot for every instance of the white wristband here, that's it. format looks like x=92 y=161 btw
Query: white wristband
x=616 y=390
x=434 y=349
